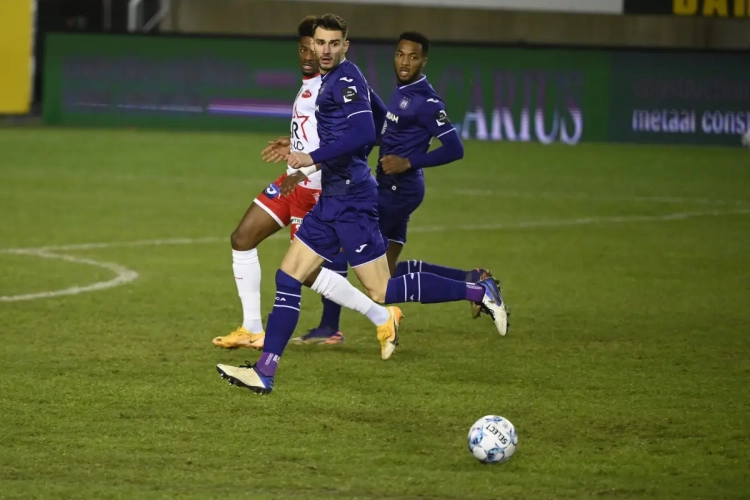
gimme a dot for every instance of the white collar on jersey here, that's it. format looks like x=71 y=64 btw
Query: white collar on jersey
x=412 y=83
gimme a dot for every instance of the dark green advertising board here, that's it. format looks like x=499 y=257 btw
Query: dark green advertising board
x=248 y=84
x=492 y=93
x=680 y=98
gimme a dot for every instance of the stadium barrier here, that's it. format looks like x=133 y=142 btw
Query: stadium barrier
x=492 y=93
x=16 y=59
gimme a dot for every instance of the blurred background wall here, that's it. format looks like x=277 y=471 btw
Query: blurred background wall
x=639 y=23
x=549 y=70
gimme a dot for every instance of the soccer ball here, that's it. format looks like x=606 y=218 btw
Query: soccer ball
x=492 y=439
x=746 y=139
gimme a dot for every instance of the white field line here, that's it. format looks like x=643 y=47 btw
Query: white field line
x=124 y=275
x=592 y=197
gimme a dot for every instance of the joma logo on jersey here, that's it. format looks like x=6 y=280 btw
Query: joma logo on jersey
x=306 y=94
x=391 y=117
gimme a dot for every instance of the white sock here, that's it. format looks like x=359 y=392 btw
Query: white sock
x=337 y=289
x=247 y=276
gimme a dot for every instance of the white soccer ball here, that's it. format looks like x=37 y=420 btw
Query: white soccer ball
x=492 y=439
x=746 y=139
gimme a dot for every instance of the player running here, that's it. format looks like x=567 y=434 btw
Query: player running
x=346 y=217
x=270 y=211
x=282 y=204
x=414 y=116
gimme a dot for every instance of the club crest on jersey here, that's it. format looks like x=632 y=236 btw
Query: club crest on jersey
x=272 y=191
x=441 y=118
x=349 y=93
x=404 y=103
x=306 y=94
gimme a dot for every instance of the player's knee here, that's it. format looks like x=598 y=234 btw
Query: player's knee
x=310 y=280
x=239 y=242
x=243 y=240
x=285 y=281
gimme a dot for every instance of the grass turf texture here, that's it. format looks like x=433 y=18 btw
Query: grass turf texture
x=625 y=372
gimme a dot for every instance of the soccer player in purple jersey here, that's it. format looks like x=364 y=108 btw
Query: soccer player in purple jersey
x=414 y=116
x=346 y=217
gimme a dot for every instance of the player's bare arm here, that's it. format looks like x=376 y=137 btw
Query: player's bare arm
x=300 y=160
x=277 y=150
x=290 y=182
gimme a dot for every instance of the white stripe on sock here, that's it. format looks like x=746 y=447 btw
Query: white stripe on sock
x=288 y=307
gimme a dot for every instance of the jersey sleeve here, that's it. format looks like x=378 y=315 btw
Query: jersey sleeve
x=434 y=118
x=378 y=114
x=353 y=94
x=432 y=115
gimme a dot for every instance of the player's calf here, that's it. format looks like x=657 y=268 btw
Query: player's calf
x=471 y=276
x=255 y=226
x=328 y=332
x=428 y=288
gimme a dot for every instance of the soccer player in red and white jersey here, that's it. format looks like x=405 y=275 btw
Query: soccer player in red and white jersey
x=271 y=211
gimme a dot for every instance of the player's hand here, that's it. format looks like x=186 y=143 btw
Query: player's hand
x=290 y=182
x=393 y=164
x=277 y=150
x=299 y=160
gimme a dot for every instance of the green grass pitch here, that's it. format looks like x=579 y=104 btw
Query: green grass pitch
x=626 y=370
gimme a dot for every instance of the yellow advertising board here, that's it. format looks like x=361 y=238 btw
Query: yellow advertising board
x=16 y=55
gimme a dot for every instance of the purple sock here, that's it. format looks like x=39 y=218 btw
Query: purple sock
x=331 y=310
x=419 y=266
x=267 y=364
x=281 y=322
x=430 y=289
x=474 y=292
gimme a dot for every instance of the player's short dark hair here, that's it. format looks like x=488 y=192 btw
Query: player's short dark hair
x=307 y=26
x=416 y=37
x=331 y=22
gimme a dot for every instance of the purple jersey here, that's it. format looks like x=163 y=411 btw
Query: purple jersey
x=415 y=114
x=343 y=93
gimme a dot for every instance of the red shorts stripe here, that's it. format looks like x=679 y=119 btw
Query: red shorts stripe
x=288 y=210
